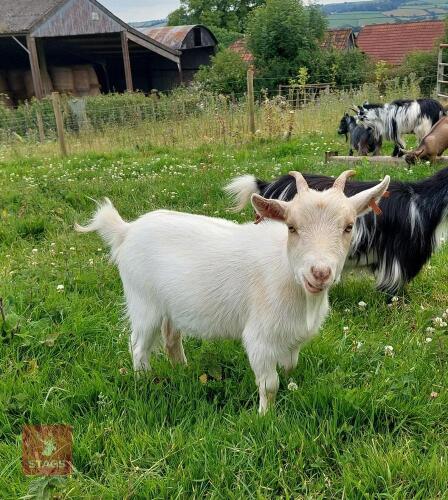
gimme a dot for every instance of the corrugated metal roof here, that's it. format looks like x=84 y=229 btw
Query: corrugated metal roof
x=172 y=36
x=337 y=39
x=392 y=42
x=18 y=16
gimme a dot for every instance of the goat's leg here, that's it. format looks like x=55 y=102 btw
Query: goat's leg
x=145 y=322
x=350 y=152
x=173 y=343
x=399 y=149
x=289 y=360
x=264 y=368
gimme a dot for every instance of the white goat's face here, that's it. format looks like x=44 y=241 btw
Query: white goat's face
x=319 y=226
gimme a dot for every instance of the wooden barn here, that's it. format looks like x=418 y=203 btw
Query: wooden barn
x=195 y=42
x=79 y=47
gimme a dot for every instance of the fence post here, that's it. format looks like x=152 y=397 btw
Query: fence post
x=250 y=99
x=59 y=121
x=40 y=125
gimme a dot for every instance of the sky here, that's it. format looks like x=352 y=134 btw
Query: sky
x=146 y=10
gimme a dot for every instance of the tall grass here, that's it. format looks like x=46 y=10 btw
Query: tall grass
x=188 y=117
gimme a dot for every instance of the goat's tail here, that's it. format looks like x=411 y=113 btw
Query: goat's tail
x=107 y=221
x=240 y=189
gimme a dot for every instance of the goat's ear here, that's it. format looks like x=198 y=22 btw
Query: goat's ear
x=271 y=209
x=362 y=202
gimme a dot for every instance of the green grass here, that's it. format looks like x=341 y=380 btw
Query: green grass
x=360 y=425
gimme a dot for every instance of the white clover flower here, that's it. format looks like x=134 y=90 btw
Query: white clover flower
x=60 y=288
x=347 y=310
x=345 y=328
x=72 y=248
x=362 y=304
x=34 y=250
x=388 y=350
x=430 y=329
x=292 y=386
x=359 y=344
x=438 y=322
x=395 y=299
x=428 y=340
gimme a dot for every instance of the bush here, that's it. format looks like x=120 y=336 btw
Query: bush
x=424 y=66
x=348 y=67
x=226 y=74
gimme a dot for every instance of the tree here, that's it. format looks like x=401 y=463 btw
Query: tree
x=226 y=73
x=343 y=67
x=228 y=14
x=283 y=36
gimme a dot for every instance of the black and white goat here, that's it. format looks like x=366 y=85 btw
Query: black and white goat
x=362 y=139
x=394 y=245
x=391 y=121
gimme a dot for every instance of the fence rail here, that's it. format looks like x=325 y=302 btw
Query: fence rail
x=187 y=117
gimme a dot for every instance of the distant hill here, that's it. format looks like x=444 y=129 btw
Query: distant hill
x=357 y=14
x=156 y=23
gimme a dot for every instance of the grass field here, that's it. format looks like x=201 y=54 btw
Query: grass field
x=362 y=424
x=409 y=11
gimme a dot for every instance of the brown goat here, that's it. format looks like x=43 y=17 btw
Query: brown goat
x=432 y=145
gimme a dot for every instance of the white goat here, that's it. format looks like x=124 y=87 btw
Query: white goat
x=265 y=284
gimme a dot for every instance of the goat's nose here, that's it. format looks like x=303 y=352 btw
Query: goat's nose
x=321 y=273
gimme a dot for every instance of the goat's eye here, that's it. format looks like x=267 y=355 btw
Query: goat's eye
x=292 y=229
x=348 y=228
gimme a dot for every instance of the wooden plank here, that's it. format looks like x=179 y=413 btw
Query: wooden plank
x=250 y=99
x=440 y=69
x=387 y=160
x=35 y=69
x=59 y=122
x=126 y=61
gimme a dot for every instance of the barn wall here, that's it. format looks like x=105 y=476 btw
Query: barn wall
x=78 y=17
x=193 y=58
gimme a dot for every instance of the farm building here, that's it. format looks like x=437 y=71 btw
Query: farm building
x=196 y=44
x=240 y=47
x=79 y=47
x=339 y=39
x=393 y=42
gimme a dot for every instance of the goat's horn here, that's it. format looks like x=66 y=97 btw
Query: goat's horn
x=339 y=183
x=301 y=183
x=355 y=109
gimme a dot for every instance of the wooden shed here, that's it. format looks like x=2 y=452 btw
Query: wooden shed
x=196 y=43
x=43 y=36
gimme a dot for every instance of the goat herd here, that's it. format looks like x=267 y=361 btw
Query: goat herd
x=267 y=284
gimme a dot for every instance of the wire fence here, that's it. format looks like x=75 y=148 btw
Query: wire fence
x=187 y=117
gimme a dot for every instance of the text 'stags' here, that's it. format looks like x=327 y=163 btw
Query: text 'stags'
x=47 y=450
